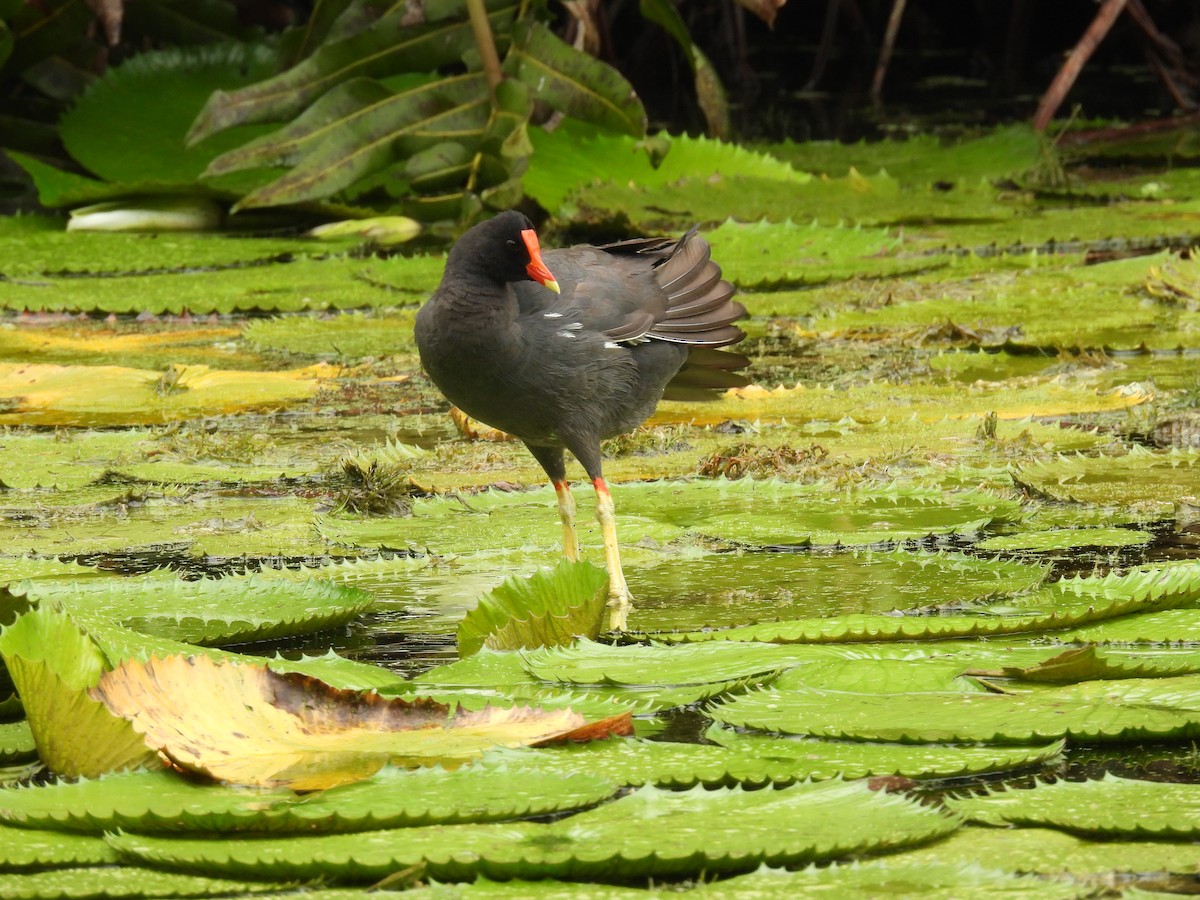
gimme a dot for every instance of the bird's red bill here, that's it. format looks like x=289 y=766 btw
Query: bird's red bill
x=537 y=269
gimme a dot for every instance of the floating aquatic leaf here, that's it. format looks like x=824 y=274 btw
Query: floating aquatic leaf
x=692 y=591
x=575 y=154
x=743 y=511
x=1066 y=539
x=1167 y=627
x=882 y=676
x=26 y=848
x=1117 y=710
x=923 y=158
x=1141 y=476
x=1048 y=852
x=650 y=833
x=35 y=247
x=170 y=526
x=587 y=662
x=16 y=742
x=302 y=285
x=1089 y=663
x=234 y=609
x=113 y=883
x=1041 y=307
x=257 y=727
x=19 y=568
x=1065 y=604
x=762 y=255
x=547 y=609
x=891 y=876
x=1109 y=807
x=156 y=802
x=112 y=395
x=119 y=644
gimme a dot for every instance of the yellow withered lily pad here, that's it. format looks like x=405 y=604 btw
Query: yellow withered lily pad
x=115 y=395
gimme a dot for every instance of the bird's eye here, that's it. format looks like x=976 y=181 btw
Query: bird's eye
x=512 y=243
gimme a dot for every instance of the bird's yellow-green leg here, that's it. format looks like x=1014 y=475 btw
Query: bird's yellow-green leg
x=619 y=599
x=566 y=512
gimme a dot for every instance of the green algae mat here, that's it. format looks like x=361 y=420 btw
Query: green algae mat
x=916 y=612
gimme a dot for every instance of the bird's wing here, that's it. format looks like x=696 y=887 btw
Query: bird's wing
x=616 y=295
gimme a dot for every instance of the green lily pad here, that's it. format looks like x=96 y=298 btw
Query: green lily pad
x=558 y=167
x=1109 y=807
x=653 y=833
x=500 y=679
x=347 y=337
x=1148 y=478
x=1048 y=852
x=1046 y=306
x=119 y=101
x=203 y=524
x=1118 y=710
x=119 y=643
x=547 y=609
x=1068 y=603
x=1006 y=152
x=230 y=610
x=26 y=848
x=20 y=568
x=112 y=395
x=1166 y=627
x=1066 y=539
x=156 y=802
x=31 y=459
x=33 y=247
x=299 y=285
x=689 y=592
x=892 y=876
x=53 y=665
x=110 y=883
x=16 y=742
x=587 y=662
x=1090 y=662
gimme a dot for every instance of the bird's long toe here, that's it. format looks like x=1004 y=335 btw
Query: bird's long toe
x=620 y=602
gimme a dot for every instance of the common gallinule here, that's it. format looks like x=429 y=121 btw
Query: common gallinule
x=569 y=347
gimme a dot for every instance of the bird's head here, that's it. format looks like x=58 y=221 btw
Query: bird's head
x=506 y=248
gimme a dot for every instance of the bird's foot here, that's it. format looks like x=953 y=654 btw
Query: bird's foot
x=619 y=603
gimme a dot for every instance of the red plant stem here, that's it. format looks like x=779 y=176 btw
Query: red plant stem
x=1082 y=52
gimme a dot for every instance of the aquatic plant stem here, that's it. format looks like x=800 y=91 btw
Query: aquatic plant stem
x=482 y=29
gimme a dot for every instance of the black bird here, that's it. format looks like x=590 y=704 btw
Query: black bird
x=567 y=348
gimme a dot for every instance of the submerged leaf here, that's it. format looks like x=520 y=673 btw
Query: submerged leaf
x=249 y=725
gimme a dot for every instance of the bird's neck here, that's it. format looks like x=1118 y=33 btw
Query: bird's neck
x=479 y=295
